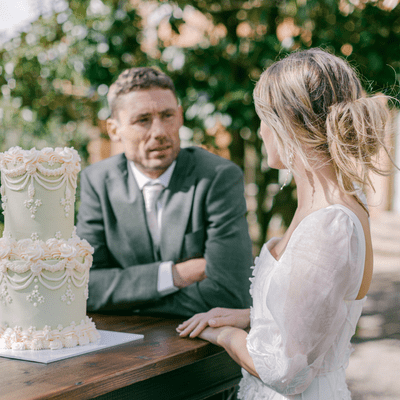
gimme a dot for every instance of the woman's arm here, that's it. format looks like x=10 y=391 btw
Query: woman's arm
x=233 y=340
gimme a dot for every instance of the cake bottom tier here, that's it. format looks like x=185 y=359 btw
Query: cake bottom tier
x=47 y=338
x=45 y=310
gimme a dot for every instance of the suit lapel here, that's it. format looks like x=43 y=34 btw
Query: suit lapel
x=127 y=199
x=177 y=205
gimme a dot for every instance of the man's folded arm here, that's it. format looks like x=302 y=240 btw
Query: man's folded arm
x=228 y=254
x=122 y=289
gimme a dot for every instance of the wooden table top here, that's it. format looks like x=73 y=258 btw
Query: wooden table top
x=162 y=353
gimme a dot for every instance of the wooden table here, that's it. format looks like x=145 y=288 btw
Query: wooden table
x=161 y=366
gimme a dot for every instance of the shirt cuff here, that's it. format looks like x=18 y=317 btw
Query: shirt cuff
x=165 y=284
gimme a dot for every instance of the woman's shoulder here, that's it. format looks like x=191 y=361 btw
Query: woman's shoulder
x=331 y=226
x=324 y=244
x=335 y=216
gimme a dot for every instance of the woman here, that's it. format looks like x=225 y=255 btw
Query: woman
x=309 y=286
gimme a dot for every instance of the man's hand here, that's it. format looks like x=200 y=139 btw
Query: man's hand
x=188 y=272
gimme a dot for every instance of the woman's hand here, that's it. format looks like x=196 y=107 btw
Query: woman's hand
x=217 y=317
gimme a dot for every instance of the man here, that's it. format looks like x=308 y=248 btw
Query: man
x=189 y=249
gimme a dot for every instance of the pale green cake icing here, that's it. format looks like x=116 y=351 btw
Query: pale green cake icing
x=44 y=266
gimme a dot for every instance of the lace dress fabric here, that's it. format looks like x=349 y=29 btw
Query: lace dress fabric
x=305 y=310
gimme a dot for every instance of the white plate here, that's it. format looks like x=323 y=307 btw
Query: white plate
x=107 y=339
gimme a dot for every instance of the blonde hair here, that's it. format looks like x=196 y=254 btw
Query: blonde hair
x=315 y=106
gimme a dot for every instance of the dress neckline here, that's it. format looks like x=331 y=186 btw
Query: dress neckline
x=347 y=210
x=359 y=228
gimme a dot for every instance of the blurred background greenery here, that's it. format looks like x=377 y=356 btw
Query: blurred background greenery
x=55 y=74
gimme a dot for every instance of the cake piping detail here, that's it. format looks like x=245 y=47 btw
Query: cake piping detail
x=35 y=297
x=33 y=171
x=34 y=253
x=68 y=297
x=35 y=257
x=5 y=297
x=4 y=198
x=31 y=339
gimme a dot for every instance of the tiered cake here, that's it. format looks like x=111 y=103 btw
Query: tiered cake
x=44 y=266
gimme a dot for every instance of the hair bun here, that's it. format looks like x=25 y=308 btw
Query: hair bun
x=355 y=133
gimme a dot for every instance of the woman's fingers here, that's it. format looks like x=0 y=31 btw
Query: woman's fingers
x=186 y=323
x=198 y=329
x=192 y=327
x=214 y=318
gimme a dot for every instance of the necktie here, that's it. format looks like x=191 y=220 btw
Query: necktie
x=151 y=193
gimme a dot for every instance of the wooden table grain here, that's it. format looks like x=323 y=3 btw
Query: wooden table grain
x=160 y=366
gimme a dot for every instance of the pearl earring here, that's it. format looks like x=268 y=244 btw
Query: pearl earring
x=289 y=172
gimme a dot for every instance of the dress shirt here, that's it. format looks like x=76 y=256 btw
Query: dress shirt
x=165 y=283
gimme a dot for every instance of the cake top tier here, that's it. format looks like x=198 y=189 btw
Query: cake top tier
x=38 y=192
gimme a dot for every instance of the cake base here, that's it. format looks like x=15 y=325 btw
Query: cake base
x=17 y=339
x=107 y=339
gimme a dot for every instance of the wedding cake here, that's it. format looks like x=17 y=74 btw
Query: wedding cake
x=44 y=266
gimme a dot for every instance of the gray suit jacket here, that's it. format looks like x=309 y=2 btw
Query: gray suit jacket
x=203 y=216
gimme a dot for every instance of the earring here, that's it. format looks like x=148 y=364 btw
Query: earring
x=289 y=172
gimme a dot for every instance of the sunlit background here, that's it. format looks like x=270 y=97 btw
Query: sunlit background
x=58 y=58
x=15 y=15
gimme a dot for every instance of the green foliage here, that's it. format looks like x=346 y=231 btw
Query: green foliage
x=54 y=78
x=372 y=32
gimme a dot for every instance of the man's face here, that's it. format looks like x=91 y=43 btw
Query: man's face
x=147 y=124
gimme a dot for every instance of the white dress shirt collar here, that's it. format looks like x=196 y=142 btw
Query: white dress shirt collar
x=142 y=179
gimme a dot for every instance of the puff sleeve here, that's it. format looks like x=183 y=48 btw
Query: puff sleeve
x=303 y=305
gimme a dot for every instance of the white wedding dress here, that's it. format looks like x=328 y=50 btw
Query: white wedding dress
x=305 y=310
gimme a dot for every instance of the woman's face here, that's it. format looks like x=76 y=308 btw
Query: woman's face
x=273 y=159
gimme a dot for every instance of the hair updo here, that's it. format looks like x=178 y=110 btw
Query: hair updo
x=316 y=108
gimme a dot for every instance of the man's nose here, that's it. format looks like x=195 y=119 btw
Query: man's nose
x=157 y=129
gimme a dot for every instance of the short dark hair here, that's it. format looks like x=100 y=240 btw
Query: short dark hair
x=140 y=78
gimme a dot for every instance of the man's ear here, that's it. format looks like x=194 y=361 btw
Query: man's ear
x=112 y=129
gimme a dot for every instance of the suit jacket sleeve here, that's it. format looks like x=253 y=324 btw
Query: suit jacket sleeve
x=228 y=246
x=111 y=287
